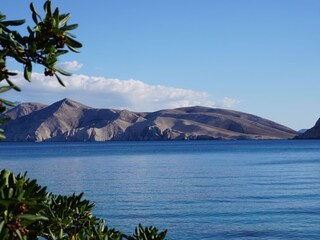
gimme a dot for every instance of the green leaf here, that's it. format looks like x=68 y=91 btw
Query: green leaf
x=8 y=202
x=29 y=30
x=71 y=35
x=35 y=14
x=73 y=43
x=56 y=17
x=27 y=71
x=13 y=23
x=47 y=8
x=4 y=53
x=69 y=27
x=61 y=52
x=4 y=120
x=1 y=225
x=15 y=87
x=10 y=193
x=20 y=59
x=59 y=80
x=62 y=71
x=5 y=89
x=7 y=102
x=51 y=234
x=32 y=217
x=73 y=49
x=18 y=233
x=64 y=19
x=11 y=73
x=61 y=233
x=2 y=110
x=2 y=17
x=2 y=137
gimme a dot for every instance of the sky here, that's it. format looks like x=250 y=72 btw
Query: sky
x=256 y=56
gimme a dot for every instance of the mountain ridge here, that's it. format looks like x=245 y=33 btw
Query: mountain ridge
x=68 y=120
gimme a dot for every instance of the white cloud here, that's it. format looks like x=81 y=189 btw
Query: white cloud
x=108 y=93
x=71 y=66
x=228 y=102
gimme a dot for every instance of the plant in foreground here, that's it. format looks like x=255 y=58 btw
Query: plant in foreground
x=28 y=211
x=49 y=38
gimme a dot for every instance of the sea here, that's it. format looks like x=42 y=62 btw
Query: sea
x=195 y=189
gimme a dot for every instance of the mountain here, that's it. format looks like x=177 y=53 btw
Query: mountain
x=312 y=133
x=24 y=109
x=68 y=120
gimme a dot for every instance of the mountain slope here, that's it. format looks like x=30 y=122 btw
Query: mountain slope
x=312 y=133
x=68 y=120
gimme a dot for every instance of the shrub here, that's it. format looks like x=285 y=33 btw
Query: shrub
x=28 y=211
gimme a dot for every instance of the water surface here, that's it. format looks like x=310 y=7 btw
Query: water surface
x=196 y=189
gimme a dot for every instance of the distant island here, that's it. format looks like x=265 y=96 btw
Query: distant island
x=68 y=120
x=312 y=133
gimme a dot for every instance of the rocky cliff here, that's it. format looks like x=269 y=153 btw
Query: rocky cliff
x=68 y=120
x=312 y=133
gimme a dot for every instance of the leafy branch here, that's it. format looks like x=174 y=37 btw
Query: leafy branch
x=45 y=42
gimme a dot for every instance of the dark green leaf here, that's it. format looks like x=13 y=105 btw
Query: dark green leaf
x=4 y=120
x=73 y=49
x=35 y=14
x=15 y=87
x=29 y=30
x=7 y=102
x=64 y=19
x=5 y=89
x=1 y=225
x=13 y=23
x=59 y=80
x=71 y=35
x=31 y=217
x=73 y=43
x=2 y=137
x=34 y=17
x=8 y=202
x=2 y=109
x=20 y=59
x=62 y=71
x=61 y=52
x=47 y=8
x=4 y=53
x=69 y=27
x=27 y=71
x=2 y=17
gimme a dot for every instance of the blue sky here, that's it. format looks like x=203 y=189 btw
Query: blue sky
x=260 y=57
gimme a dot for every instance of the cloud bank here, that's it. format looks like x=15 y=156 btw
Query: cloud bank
x=107 y=93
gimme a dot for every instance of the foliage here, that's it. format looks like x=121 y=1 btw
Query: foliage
x=45 y=42
x=142 y=233
x=28 y=211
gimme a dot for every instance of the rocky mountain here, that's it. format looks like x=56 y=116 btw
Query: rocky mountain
x=312 y=133
x=68 y=120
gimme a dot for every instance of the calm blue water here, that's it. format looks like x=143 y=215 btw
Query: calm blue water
x=196 y=189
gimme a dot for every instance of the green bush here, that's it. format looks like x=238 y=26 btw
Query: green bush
x=28 y=211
